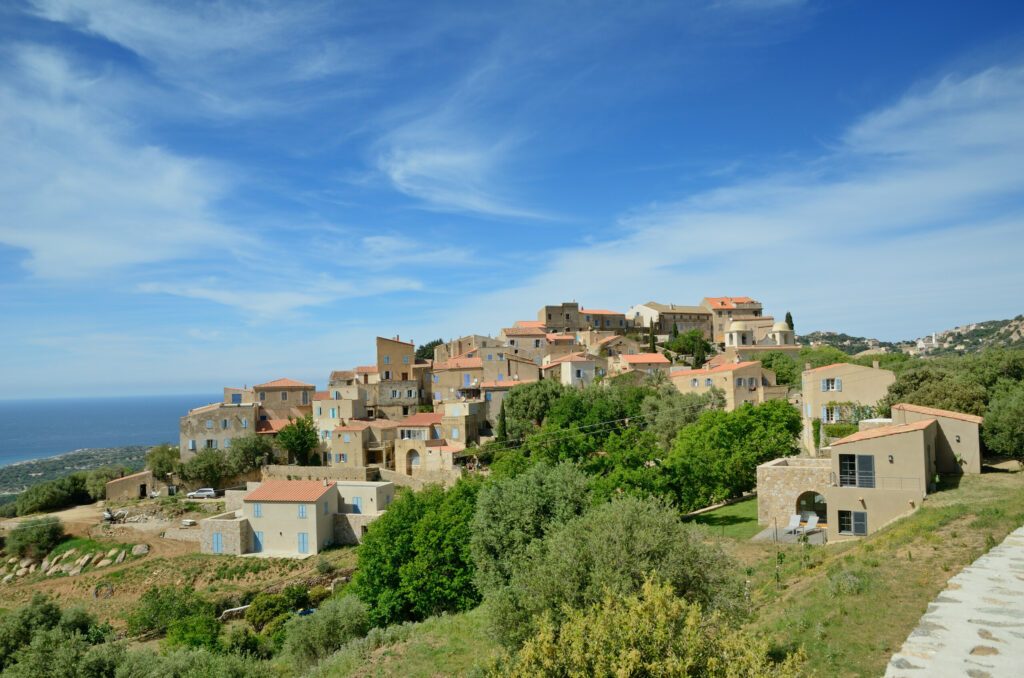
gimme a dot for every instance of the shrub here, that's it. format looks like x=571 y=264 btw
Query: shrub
x=311 y=638
x=847 y=582
x=324 y=566
x=18 y=627
x=650 y=633
x=35 y=538
x=266 y=607
x=197 y=630
x=54 y=495
x=161 y=606
x=836 y=431
x=242 y=641
x=614 y=548
x=189 y=663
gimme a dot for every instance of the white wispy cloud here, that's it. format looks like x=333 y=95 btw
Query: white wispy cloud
x=79 y=194
x=913 y=220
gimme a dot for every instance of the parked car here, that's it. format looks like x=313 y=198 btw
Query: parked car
x=203 y=493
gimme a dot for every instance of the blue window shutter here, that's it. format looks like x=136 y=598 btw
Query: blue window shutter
x=824 y=385
x=824 y=413
x=839 y=384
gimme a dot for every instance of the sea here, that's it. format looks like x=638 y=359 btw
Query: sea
x=38 y=428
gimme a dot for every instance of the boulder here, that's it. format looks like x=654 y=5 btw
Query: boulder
x=112 y=552
x=25 y=562
x=22 y=572
x=120 y=557
x=75 y=571
x=82 y=561
x=104 y=562
x=8 y=578
x=45 y=564
x=66 y=567
x=97 y=557
x=140 y=550
x=31 y=568
x=12 y=560
x=53 y=570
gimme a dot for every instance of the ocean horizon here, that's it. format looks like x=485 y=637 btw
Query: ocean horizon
x=48 y=427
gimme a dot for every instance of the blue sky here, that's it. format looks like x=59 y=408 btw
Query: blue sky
x=224 y=193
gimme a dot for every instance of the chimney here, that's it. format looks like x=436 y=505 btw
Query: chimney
x=325 y=482
x=807 y=366
x=874 y=364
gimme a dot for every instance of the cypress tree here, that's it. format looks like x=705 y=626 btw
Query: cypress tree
x=502 y=427
x=789 y=319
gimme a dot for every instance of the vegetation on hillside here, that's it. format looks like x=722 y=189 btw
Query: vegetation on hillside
x=17 y=477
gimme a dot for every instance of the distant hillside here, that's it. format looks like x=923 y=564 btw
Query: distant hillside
x=974 y=337
x=16 y=477
x=956 y=341
x=844 y=342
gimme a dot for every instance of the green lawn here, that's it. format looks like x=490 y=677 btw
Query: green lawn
x=738 y=521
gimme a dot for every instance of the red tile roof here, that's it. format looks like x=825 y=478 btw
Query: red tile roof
x=366 y=369
x=421 y=419
x=883 y=431
x=363 y=424
x=936 y=412
x=290 y=490
x=645 y=359
x=599 y=311
x=340 y=375
x=560 y=337
x=529 y=323
x=460 y=364
x=397 y=341
x=271 y=425
x=322 y=395
x=728 y=302
x=568 y=358
x=284 y=383
x=524 y=332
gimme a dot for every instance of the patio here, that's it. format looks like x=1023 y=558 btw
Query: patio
x=779 y=536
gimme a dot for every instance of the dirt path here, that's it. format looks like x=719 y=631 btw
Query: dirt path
x=78 y=520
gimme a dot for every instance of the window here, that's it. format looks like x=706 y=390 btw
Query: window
x=284 y=395
x=853 y=522
x=192 y=445
x=536 y=343
x=405 y=359
x=487 y=396
x=211 y=444
x=511 y=342
x=410 y=393
x=501 y=356
x=209 y=423
x=263 y=395
x=434 y=378
x=357 y=504
x=739 y=381
x=856 y=470
x=455 y=433
x=245 y=423
x=346 y=438
x=257 y=541
x=387 y=360
x=694 y=382
x=319 y=411
x=437 y=395
x=305 y=397
x=501 y=377
x=334 y=413
x=257 y=510
x=490 y=356
x=387 y=375
x=344 y=458
x=302 y=510
x=707 y=382
x=751 y=382
x=830 y=415
x=223 y=424
x=236 y=398
x=579 y=374
x=337 y=458
x=325 y=508
x=394 y=393
x=227 y=443
x=831 y=384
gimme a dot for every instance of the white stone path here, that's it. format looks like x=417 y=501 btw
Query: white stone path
x=975 y=627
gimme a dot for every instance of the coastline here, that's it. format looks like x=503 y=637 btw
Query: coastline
x=18 y=476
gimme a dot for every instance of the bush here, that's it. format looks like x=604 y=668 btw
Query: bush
x=265 y=607
x=243 y=642
x=1003 y=431
x=18 y=627
x=161 y=606
x=613 y=549
x=324 y=566
x=197 y=630
x=651 y=633
x=836 y=431
x=311 y=638
x=190 y=663
x=54 y=495
x=35 y=538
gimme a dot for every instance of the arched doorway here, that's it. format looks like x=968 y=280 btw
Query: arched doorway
x=412 y=461
x=812 y=502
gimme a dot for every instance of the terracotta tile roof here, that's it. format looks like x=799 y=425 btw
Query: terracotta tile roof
x=560 y=337
x=828 y=367
x=600 y=311
x=322 y=395
x=342 y=375
x=363 y=424
x=290 y=490
x=523 y=332
x=460 y=364
x=506 y=383
x=645 y=359
x=568 y=358
x=936 y=412
x=284 y=383
x=366 y=369
x=728 y=302
x=728 y=367
x=421 y=419
x=271 y=425
x=529 y=323
x=883 y=431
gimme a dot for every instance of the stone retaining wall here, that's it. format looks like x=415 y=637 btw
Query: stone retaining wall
x=782 y=481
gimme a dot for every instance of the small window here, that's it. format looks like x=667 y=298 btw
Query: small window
x=501 y=356
x=302 y=510
x=192 y=445
x=490 y=356
x=305 y=397
x=245 y=423
x=410 y=393
x=536 y=343
x=579 y=374
x=257 y=510
x=487 y=396
x=346 y=438
x=263 y=395
x=739 y=381
x=227 y=443
x=387 y=375
x=334 y=413
x=455 y=433
x=707 y=382
x=394 y=393
x=284 y=395
x=223 y=424
x=853 y=523
x=387 y=360
x=405 y=359
x=344 y=458
x=209 y=423
x=694 y=382
x=319 y=411
x=325 y=508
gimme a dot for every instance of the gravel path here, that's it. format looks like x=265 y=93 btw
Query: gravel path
x=975 y=627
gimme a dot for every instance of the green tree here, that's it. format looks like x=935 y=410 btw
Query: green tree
x=195 y=630
x=96 y=480
x=299 y=439
x=208 y=468
x=612 y=550
x=822 y=355
x=513 y=512
x=426 y=351
x=527 y=405
x=692 y=343
x=789 y=320
x=54 y=495
x=1003 y=431
x=502 y=433
x=651 y=633
x=665 y=410
x=651 y=347
x=161 y=606
x=339 y=620
x=35 y=538
x=162 y=460
x=786 y=370
x=18 y=627
x=248 y=452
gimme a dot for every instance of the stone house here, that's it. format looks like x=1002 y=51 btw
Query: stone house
x=665 y=318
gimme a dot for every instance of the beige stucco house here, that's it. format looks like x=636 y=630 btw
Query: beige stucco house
x=296 y=518
x=870 y=478
x=725 y=310
x=646 y=363
x=840 y=393
x=743 y=382
x=666 y=317
x=573 y=369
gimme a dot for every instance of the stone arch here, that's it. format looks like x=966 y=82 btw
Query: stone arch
x=412 y=461
x=812 y=501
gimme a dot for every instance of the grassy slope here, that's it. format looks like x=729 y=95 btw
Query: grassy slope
x=738 y=521
x=852 y=605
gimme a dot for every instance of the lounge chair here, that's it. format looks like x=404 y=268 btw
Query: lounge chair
x=811 y=526
x=794 y=524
